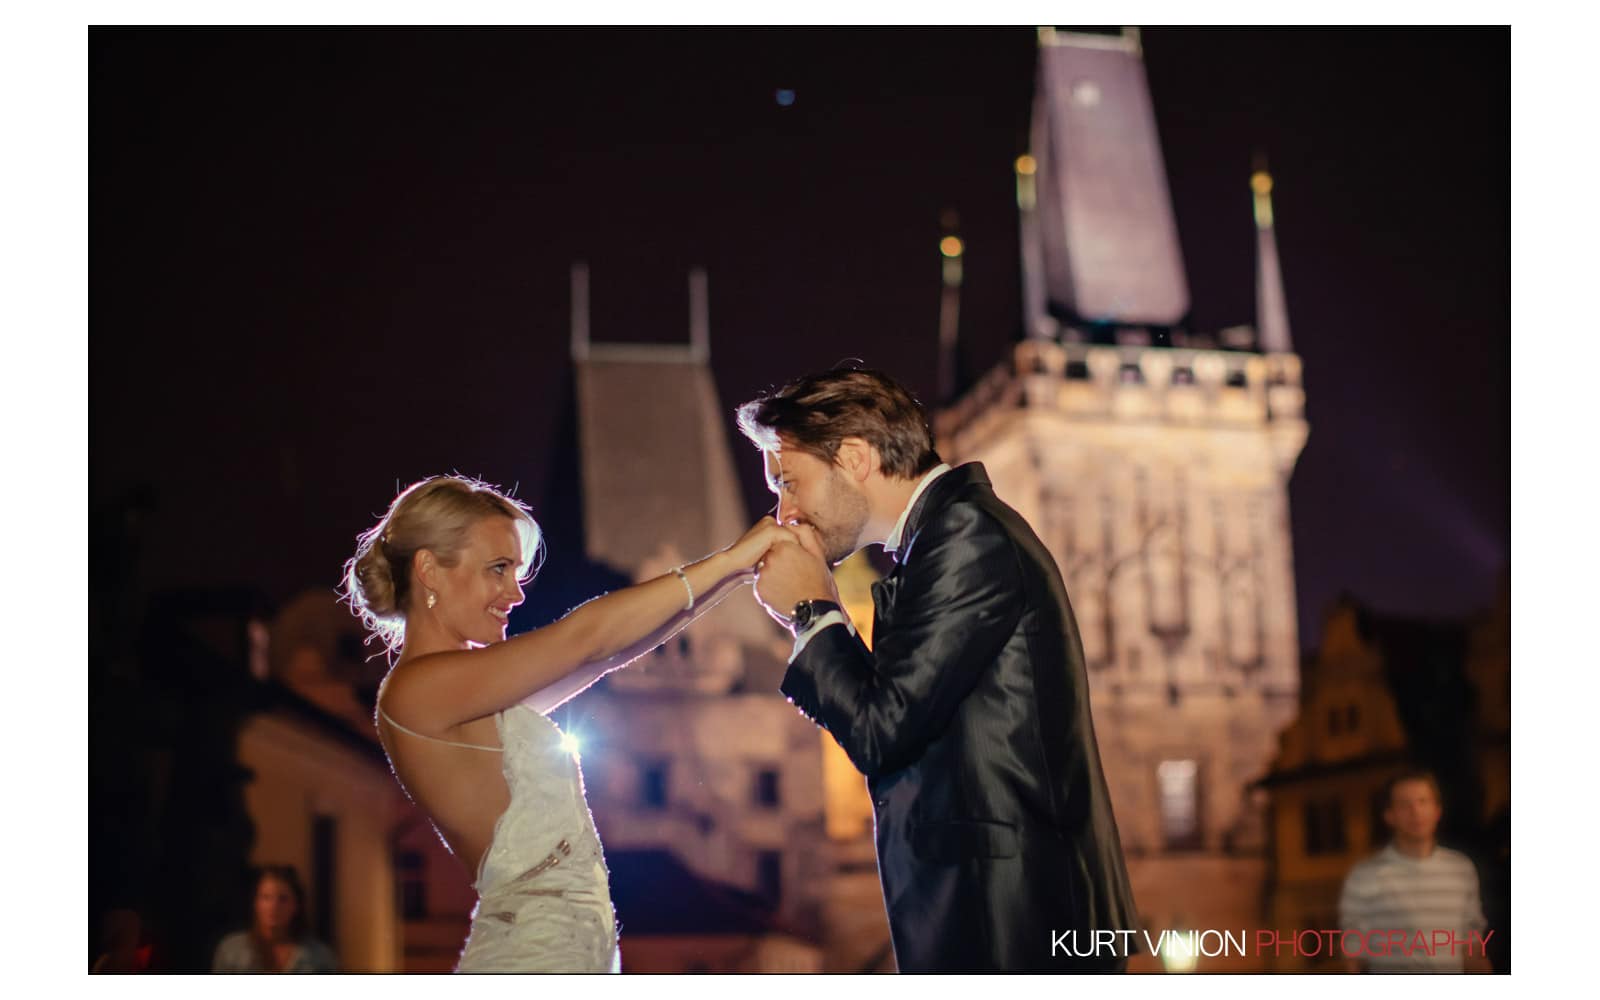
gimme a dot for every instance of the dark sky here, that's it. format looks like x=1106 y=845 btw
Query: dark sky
x=324 y=263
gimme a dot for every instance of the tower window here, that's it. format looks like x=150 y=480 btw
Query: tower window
x=1178 y=785
x=1324 y=823
x=653 y=785
x=769 y=873
x=766 y=788
x=410 y=866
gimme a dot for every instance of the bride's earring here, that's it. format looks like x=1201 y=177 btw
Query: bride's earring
x=432 y=599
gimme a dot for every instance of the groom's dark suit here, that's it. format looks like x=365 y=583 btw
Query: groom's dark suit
x=970 y=719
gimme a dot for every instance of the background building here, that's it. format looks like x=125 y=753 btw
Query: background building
x=1383 y=694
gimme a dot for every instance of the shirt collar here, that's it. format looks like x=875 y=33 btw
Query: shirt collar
x=1396 y=853
x=892 y=545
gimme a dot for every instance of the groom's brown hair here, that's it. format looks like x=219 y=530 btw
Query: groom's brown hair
x=817 y=412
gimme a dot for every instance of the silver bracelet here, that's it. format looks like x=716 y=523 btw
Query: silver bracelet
x=685 y=578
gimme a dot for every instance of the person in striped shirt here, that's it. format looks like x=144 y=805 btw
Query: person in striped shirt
x=1413 y=885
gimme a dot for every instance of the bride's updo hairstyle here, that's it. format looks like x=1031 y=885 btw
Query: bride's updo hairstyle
x=434 y=514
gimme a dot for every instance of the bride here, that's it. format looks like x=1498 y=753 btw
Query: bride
x=462 y=713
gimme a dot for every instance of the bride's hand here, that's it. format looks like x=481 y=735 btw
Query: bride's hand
x=750 y=549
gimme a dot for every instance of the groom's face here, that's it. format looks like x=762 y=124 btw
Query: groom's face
x=818 y=493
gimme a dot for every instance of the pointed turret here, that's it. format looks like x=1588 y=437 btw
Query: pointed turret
x=1100 y=238
x=1272 y=315
x=951 y=249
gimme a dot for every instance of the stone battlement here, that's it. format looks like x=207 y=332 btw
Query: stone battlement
x=1177 y=386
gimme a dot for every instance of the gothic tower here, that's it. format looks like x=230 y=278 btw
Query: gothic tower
x=1155 y=466
x=692 y=754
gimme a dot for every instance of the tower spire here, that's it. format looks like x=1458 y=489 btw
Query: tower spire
x=951 y=248
x=580 y=311
x=1272 y=315
x=699 y=316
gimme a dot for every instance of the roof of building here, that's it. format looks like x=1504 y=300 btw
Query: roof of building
x=656 y=463
x=1324 y=769
x=273 y=696
x=1108 y=239
x=1423 y=671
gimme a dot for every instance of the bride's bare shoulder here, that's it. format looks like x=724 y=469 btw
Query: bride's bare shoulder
x=412 y=681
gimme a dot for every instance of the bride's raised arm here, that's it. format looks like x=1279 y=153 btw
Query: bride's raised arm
x=572 y=685
x=550 y=665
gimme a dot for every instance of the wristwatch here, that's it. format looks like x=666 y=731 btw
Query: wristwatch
x=807 y=612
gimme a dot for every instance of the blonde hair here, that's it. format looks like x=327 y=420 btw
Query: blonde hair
x=435 y=514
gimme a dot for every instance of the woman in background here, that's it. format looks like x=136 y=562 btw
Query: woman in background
x=277 y=940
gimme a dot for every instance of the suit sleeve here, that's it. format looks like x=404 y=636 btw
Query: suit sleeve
x=959 y=601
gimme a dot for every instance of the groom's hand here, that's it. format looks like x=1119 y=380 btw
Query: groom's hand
x=809 y=540
x=790 y=573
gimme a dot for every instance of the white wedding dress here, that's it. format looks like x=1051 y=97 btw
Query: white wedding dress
x=544 y=898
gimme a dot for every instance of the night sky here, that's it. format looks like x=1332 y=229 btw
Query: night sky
x=327 y=263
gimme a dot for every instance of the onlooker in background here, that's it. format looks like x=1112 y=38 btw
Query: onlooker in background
x=1413 y=885
x=122 y=951
x=277 y=940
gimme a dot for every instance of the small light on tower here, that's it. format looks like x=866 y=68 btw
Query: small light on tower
x=1261 y=184
x=1026 y=167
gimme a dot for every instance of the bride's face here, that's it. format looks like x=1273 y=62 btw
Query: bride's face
x=477 y=594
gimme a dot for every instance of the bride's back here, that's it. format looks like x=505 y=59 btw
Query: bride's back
x=459 y=784
x=420 y=582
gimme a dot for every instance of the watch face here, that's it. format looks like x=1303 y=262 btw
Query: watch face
x=808 y=611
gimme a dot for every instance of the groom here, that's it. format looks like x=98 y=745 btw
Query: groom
x=970 y=714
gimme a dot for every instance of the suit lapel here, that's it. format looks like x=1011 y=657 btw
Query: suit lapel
x=937 y=495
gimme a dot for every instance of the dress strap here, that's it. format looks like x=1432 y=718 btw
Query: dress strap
x=433 y=739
